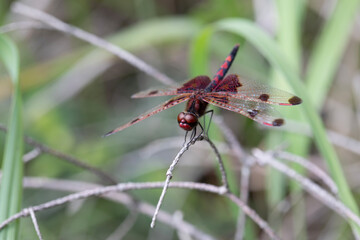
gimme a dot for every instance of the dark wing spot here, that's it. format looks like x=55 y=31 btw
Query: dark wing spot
x=295 y=100
x=264 y=97
x=134 y=121
x=278 y=122
x=253 y=112
x=153 y=92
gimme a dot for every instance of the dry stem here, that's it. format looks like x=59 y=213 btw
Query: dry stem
x=138 y=186
x=57 y=24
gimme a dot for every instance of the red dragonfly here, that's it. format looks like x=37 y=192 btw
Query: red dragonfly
x=249 y=98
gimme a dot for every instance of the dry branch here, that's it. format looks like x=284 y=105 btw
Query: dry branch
x=119 y=197
x=139 y=186
x=79 y=163
x=169 y=173
x=57 y=24
x=314 y=189
x=36 y=226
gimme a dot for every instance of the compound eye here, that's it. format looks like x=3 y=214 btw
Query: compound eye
x=187 y=121
x=181 y=116
x=191 y=119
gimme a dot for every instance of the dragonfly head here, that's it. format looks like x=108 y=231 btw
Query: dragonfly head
x=187 y=120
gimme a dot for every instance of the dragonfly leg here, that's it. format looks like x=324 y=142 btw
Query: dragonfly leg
x=207 y=126
x=193 y=134
x=185 y=138
x=202 y=128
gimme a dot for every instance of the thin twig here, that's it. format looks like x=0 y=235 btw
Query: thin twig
x=247 y=162
x=253 y=215
x=168 y=143
x=101 y=174
x=109 y=189
x=314 y=189
x=310 y=167
x=119 y=197
x=139 y=186
x=244 y=195
x=90 y=38
x=335 y=138
x=36 y=226
x=224 y=180
x=178 y=216
x=168 y=178
x=356 y=90
x=161 y=198
x=231 y=139
x=32 y=155
x=22 y=26
x=174 y=163
x=343 y=141
x=240 y=154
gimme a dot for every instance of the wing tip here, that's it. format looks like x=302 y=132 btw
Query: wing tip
x=136 y=95
x=295 y=100
x=148 y=93
x=112 y=132
x=276 y=123
x=108 y=134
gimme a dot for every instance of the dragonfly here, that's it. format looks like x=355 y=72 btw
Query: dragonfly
x=249 y=98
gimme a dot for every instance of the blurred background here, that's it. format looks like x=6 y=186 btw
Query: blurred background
x=74 y=92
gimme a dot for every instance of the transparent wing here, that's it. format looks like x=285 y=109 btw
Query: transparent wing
x=257 y=111
x=157 y=92
x=170 y=103
x=242 y=88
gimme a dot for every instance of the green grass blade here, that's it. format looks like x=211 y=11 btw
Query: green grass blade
x=328 y=50
x=289 y=29
x=199 y=53
x=290 y=15
x=268 y=47
x=275 y=56
x=12 y=165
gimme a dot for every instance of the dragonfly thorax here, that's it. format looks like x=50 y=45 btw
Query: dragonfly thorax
x=187 y=120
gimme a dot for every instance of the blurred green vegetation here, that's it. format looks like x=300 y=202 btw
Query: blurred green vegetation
x=12 y=164
x=280 y=45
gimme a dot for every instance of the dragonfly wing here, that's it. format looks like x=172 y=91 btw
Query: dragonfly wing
x=199 y=82
x=156 y=93
x=170 y=103
x=257 y=111
x=242 y=88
